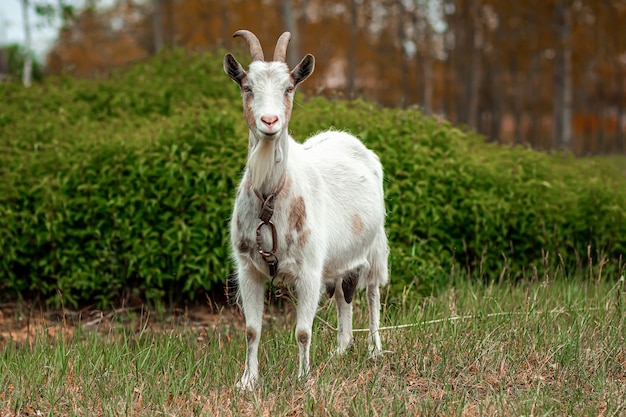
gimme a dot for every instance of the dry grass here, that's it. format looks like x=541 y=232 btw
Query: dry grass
x=560 y=351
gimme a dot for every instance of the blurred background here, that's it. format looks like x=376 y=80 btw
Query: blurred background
x=550 y=74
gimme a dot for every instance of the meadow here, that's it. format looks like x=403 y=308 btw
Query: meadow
x=550 y=347
x=507 y=264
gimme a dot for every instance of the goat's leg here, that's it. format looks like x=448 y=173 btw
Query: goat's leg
x=344 y=321
x=373 y=301
x=343 y=297
x=251 y=290
x=377 y=275
x=308 y=288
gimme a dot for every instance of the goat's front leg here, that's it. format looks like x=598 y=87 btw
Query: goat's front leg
x=308 y=288
x=251 y=290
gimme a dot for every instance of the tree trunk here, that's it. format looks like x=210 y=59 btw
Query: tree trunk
x=404 y=69
x=562 y=75
x=497 y=110
x=28 y=59
x=352 y=49
x=518 y=106
x=473 y=99
x=427 y=69
x=225 y=29
x=533 y=101
x=157 y=24
x=619 y=134
x=533 y=76
x=462 y=60
x=424 y=53
x=291 y=25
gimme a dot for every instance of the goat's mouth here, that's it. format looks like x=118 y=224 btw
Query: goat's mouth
x=263 y=134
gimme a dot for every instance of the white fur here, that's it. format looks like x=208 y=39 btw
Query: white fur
x=340 y=182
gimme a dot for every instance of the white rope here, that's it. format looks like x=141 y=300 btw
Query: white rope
x=457 y=318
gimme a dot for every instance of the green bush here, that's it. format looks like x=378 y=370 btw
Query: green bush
x=457 y=203
x=125 y=186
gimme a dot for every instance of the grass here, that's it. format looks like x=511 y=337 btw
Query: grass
x=543 y=348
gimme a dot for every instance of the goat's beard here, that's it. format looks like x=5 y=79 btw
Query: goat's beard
x=261 y=159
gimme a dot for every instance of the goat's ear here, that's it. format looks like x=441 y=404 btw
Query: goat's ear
x=304 y=68
x=233 y=69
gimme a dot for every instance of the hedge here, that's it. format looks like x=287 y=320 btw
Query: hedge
x=125 y=186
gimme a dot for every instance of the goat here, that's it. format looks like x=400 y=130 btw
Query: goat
x=311 y=214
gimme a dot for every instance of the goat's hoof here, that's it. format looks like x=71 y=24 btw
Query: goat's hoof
x=246 y=384
x=305 y=381
x=339 y=351
x=377 y=353
x=308 y=382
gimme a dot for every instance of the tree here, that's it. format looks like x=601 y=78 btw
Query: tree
x=14 y=56
x=157 y=24
x=28 y=60
x=290 y=23
x=547 y=73
x=424 y=40
x=353 y=33
x=562 y=74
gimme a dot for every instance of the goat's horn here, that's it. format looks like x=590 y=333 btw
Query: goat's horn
x=253 y=42
x=280 y=52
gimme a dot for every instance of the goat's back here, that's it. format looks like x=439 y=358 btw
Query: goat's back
x=333 y=148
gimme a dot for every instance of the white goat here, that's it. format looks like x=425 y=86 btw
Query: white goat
x=320 y=205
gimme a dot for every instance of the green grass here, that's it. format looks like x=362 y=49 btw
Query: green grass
x=542 y=348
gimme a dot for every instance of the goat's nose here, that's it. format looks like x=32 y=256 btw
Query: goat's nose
x=269 y=121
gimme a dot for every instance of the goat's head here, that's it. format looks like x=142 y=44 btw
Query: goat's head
x=267 y=88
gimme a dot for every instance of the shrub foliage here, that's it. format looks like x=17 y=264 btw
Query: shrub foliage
x=125 y=186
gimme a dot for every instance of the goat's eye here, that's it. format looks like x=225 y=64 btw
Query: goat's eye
x=289 y=90
x=246 y=89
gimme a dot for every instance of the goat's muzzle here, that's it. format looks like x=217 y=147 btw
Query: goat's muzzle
x=269 y=125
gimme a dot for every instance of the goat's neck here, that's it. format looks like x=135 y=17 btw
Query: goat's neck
x=267 y=162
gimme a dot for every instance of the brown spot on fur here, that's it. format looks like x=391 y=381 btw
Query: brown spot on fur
x=303 y=337
x=248 y=183
x=244 y=246
x=357 y=225
x=286 y=188
x=288 y=239
x=247 y=111
x=288 y=106
x=250 y=335
x=303 y=237
x=297 y=214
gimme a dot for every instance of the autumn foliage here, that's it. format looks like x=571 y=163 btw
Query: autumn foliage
x=545 y=73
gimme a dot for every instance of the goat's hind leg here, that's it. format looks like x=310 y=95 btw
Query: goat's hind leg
x=377 y=275
x=373 y=301
x=343 y=298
